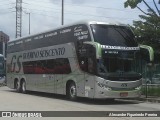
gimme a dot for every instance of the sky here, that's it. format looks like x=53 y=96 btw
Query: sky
x=46 y=14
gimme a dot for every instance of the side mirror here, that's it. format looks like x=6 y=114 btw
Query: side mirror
x=147 y=53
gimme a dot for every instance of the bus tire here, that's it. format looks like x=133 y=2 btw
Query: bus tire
x=71 y=91
x=17 y=86
x=110 y=100
x=23 y=85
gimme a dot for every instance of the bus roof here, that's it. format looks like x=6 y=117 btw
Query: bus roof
x=81 y=22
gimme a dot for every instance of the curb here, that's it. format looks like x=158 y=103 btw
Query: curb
x=153 y=100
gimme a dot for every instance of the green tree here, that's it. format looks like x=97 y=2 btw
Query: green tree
x=147 y=29
x=134 y=4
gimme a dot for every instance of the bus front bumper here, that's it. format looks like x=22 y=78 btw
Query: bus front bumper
x=117 y=94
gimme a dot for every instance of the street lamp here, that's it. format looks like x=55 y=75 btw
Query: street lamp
x=62 y=12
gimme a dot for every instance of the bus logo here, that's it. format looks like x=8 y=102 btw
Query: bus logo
x=124 y=85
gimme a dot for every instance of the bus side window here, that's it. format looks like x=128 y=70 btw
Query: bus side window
x=62 y=66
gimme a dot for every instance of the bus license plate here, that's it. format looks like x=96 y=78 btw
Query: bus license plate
x=124 y=94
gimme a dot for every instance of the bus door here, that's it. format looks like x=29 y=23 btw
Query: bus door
x=87 y=57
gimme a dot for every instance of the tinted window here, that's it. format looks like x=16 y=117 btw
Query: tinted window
x=55 y=37
x=53 y=66
x=113 y=35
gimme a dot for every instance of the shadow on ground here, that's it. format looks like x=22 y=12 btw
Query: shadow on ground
x=81 y=100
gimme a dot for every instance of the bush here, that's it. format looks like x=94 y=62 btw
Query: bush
x=151 y=91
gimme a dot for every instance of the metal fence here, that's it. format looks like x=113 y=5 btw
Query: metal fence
x=151 y=90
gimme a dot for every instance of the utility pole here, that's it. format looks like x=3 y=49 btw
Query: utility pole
x=18 y=18
x=62 y=12
x=29 y=24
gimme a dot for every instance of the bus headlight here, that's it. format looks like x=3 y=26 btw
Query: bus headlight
x=102 y=85
x=109 y=89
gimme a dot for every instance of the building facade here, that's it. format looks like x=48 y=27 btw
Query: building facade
x=4 y=38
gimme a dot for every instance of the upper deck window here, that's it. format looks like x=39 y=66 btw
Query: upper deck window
x=113 y=35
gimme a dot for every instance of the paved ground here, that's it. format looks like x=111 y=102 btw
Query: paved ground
x=34 y=101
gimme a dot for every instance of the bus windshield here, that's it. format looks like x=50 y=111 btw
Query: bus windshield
x=113 y=35
x=121 y=66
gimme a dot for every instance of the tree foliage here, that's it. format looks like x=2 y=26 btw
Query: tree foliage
x=147 y=29
x=134 y=4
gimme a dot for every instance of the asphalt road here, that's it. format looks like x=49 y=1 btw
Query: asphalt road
x=10 y=100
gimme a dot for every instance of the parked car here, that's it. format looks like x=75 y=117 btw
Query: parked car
x=156 y=79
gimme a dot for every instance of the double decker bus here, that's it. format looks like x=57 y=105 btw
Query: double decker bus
x=87 y=59
x=2 y=69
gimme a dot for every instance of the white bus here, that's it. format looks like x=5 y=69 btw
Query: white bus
x=87 y=59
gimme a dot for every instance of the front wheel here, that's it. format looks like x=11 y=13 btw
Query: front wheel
x=71 y=91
